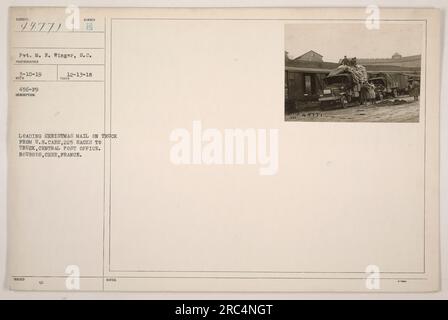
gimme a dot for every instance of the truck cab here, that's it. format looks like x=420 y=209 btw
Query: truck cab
x=339 y=90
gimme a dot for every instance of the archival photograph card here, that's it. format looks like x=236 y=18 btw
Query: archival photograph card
x=250 y=150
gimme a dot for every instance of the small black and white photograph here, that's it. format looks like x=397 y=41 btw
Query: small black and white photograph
x=348 y=72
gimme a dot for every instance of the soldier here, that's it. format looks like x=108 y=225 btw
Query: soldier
x=345 y=61
x=415 y=89
x=364 y=95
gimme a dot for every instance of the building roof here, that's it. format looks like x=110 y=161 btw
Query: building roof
x=311 y=51
x=388 y=60
x=326 y=67
x=311 y=64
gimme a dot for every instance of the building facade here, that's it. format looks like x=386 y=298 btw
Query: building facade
x=396 y=60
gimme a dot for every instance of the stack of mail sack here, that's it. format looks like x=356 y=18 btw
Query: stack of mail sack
x=358 y=72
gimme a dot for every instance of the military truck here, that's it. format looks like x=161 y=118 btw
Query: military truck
x=342 y=87
x=390 y=85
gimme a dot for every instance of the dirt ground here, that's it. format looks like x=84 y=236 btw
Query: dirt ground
x=401 y=109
